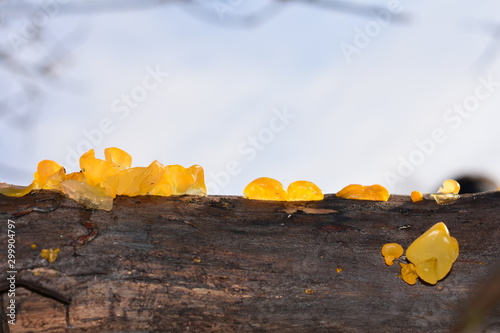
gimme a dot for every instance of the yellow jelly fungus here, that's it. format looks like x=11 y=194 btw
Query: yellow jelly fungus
x=450 y=186
x=360 y=192
x=302 y=190
x=416 y=196
x=265 y=188
x=338 y=269
x=408 y=273
x=433 y=253
x=96 y=171
x=391 y=251
x=186 y=180
x=48 y=175
x=445 y=198
x=99 y=181
x=76 y=176
x=87 y=195
x=49 y=254
x=128 y=181
x=150 y=177
x=119 y=159
x=33 y=246
x=309 y=291
x=15 y=191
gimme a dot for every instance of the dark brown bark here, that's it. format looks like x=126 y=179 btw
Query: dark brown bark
x=228 y=264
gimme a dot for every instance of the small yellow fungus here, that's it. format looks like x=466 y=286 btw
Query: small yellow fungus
x=15 y=191
x=302 y=190
x=445 y=198
x=433 y=253
x=48 y=175
x=49 y=254
x=416 y=196
x=33 y=246
x=265 y=188
x=391 y=251
x=360 y=192
x=408 y=273
x=87 y=195
x=338 y=269
x=197 y=260
x=309 y=291
x=450 y=186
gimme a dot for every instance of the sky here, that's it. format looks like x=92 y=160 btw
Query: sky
x=404 y=96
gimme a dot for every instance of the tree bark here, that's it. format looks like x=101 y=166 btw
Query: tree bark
x=228 y=264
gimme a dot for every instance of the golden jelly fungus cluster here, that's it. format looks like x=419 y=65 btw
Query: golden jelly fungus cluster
x=100 y=181
x=265 y=188
x=431 y=255
x=448 y=193
x=360 y=192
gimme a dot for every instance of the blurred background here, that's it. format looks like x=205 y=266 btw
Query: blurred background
x=401 y=93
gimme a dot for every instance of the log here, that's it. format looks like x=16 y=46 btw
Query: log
x=228 y=264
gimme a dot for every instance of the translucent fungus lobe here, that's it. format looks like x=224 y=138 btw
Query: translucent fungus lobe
x=391 y=251
x=265 y=188
x=433 y=253
x=360 y=192
x=302 y=190
x=450 y=186
x=119 y=159
x=87 y=195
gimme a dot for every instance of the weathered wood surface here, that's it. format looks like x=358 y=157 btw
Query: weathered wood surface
x=226 y=264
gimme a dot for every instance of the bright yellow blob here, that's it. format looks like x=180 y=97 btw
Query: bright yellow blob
x=302 y=190
x=49 y=254
x=119 y=159
x=433 y=253
x=450 y=186
x=391 y=251
x=265 y=188
x=360 y=192
x=48 y=175
x=186 y=180
x=416 y=196
x=408 y=273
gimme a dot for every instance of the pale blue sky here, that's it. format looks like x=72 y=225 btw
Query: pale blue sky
x=349 y=121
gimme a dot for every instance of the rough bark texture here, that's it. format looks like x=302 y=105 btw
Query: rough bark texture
x=227 y=264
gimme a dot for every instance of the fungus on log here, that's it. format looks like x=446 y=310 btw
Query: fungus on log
x=229 y=264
